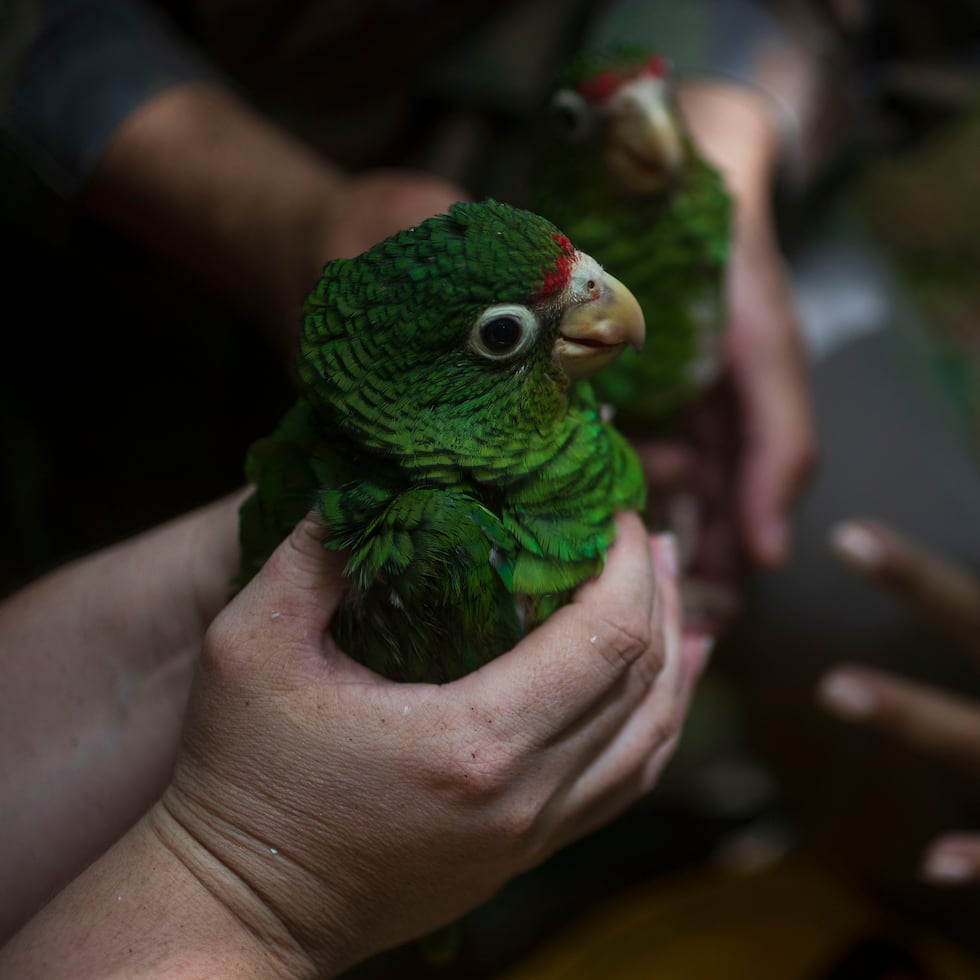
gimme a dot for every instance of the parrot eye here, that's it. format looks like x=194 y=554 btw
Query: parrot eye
x=501 y=334
x=571 y=115
x=503 y=331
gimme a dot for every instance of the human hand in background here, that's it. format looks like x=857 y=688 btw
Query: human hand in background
x=750 y=441
x=202 y=179
x=764 y=358
x=320 y=813
x=370 y=206
x=941 y=723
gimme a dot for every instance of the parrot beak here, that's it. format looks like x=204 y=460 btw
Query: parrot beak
x=593 y=333
x=645 y=149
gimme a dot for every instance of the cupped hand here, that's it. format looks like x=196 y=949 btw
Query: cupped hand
x=945 y=724
x=357 y=812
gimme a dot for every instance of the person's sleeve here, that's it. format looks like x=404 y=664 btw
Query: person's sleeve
x=82 y=68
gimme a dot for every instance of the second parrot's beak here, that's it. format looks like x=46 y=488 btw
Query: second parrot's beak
x=593 y=333
x=645 y=149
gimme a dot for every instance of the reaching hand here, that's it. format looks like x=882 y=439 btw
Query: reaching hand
x=948 y=598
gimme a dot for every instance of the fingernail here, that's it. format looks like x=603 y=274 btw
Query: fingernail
x=856 y=546
x=668 y=551
x=946 y=868
x=846 y=696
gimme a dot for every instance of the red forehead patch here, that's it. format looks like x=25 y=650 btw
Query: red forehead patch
x=601 y=87
x=556 y=278
x=656 y=66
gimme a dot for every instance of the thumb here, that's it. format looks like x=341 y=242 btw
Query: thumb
x=301 y=582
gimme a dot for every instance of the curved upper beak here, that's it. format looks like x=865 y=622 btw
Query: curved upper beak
x=645 y=147
x=593 y=333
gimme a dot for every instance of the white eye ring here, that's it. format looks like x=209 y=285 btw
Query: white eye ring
x=504 y=331
x=571 y=115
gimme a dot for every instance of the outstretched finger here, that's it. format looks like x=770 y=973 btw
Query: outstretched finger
x=941 y=593
x=943 y=724
x=953 y=859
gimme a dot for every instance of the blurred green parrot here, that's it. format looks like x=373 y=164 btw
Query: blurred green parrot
x=620 y=175
x=446 y=437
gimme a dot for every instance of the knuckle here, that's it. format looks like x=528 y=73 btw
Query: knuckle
x=221 y=637
x=481 y=771
x=484 y=777
x=623 y=642
x=516 y=825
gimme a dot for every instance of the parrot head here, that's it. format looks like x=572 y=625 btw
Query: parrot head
x=622 y=105
x=461 y=332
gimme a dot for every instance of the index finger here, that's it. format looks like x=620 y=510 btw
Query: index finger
x=944 y=595
x=941 y=723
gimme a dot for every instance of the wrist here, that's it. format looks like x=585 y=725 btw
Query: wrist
x=147 y=908
x=228 y=905
x=736 y=129
x=197 y=175
x=253 y=856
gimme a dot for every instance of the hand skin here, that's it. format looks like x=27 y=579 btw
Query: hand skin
x=319 y=813
x=199 y=177
x=947 y=725
x=756 y=431
x=96 y=660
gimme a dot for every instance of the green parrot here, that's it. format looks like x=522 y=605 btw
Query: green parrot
x=445 y=435
x=623 y=179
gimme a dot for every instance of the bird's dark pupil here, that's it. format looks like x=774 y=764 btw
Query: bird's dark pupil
x=501 y=333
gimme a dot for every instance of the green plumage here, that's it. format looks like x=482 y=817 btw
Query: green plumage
x=669 y=245
x=472 y=492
